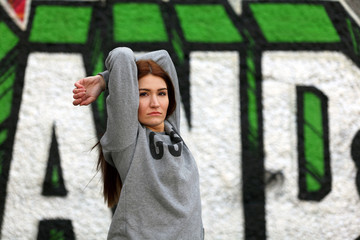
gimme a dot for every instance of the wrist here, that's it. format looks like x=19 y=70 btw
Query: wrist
x=102 y=82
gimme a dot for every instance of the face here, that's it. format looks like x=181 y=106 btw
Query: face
x=153 y=102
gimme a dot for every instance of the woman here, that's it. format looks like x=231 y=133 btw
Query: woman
x=160 y=197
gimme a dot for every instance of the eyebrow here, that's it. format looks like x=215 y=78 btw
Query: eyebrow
x=148 y=90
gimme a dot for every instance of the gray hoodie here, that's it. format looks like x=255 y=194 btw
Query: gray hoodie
x=160 y=198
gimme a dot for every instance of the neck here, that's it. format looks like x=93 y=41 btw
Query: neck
x=158 y=128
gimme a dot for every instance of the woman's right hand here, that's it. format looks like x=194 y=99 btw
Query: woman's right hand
x=88 y=89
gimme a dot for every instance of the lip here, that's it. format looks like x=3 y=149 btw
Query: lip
x=154 y=114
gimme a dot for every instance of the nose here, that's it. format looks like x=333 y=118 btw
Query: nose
x=154 y=102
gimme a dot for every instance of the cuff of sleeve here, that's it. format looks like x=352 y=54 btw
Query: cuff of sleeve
x=105 y=75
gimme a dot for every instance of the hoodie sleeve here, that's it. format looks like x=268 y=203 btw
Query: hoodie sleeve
x=122 y=102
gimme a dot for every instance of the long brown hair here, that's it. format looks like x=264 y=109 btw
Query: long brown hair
x=112 y=183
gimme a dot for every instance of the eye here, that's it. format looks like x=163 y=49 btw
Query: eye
x=143 y=94
x=162 y=93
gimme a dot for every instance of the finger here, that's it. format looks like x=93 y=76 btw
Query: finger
x=79 y=98
x=79 y=95
x=79 y=90
x=87 y=101
x=79 y=84
x=77 y=102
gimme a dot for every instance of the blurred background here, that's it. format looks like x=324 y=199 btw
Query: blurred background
x=270 y=97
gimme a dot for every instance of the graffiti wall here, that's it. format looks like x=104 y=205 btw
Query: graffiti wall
x=270 y=109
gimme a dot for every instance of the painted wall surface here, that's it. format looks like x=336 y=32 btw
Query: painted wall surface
x=271 y=111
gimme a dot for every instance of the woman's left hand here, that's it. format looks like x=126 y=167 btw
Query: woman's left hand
x=88 y=89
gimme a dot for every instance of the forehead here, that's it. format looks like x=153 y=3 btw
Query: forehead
x=152 y=82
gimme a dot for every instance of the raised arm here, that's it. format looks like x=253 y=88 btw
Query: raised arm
x=122 y=102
